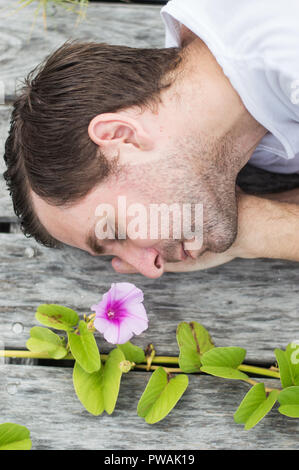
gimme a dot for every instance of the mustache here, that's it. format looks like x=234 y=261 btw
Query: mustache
x=170 y=251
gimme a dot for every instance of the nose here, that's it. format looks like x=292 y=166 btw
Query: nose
x=146 y=261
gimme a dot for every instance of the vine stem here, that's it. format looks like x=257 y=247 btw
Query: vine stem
x=253 y=382
x=162 y=360
x=259 y=371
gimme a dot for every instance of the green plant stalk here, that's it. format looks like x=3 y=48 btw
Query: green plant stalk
x=259 y=371
x=162 y=360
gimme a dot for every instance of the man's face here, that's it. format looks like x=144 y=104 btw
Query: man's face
x=192 y=172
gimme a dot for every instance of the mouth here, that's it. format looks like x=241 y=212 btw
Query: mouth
x=184 y=253
x=192 y=254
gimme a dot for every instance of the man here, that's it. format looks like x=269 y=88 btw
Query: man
x=96 y=123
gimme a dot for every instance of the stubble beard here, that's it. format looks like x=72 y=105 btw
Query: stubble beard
x=194 y=173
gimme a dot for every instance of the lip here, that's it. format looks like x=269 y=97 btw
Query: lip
x=184 y=253
x=190 y=254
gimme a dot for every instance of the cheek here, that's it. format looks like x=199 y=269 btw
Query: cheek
x=223 y=231
x=143 y=243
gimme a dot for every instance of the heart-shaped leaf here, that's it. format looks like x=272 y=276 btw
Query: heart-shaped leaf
x=255 y=405
x=112 y=378
x=193 y=340
x=224 y=362
x=99 y=390
x=161 y=395
x=289 y=401
x=14 y=437
x=132 y=353
x=84 y=348
x=88 y=388
x=288 y=362
x=57 y=316
x=284 y=368
x=44 y=340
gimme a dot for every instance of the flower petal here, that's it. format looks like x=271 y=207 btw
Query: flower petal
x=136 y=324
x=125 y=301
x=125 y=333
x=104 y=304
x=124 y=293
x=109 y=329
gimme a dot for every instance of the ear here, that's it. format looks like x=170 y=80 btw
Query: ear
x=112 y=130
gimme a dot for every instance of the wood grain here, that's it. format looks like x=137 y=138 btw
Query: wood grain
x=247 y=303
x=21 y=50
x=43 y=399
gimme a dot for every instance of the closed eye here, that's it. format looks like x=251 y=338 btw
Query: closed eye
x=102 y=249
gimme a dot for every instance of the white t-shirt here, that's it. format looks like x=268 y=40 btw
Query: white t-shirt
x=256 y=42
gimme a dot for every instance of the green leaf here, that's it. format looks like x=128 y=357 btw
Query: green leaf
x=98 y=391
x=284 y=368
x=262 y=410
x=14 y=437
x=289 y=396
x=161 y=395
x=193 y=340
x=88 y=388
x=223 y=362
x=292 y=351
x=292 y=411
x=57 y=316
x=84 y=348
x=250 y=403
x=43 y=340
x=224 y=372
x=112 y=377
x=132 y=353
x=288 y=363
x=255 y=405
x=154 y=388
x=224 y=357
x=289 y=401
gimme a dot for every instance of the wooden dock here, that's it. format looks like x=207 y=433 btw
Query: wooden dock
x=253 y=304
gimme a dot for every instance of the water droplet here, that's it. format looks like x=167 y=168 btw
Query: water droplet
x=29 y=252
x=18 y=328
x=12 y=388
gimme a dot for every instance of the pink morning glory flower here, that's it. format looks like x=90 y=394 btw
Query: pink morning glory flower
x=121 y=313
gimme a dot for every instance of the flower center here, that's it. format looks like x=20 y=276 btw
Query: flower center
x=110 y=314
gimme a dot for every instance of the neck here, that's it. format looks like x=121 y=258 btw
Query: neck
x=217 y=110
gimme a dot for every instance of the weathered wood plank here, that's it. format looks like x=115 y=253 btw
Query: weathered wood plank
x=235 y=301
x=247 y=303
x=5 y=112
x=6 y=209
x=43 y=399
x=115 y=23
x=21 y=51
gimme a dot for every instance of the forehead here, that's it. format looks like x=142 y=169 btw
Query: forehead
x=70 y=225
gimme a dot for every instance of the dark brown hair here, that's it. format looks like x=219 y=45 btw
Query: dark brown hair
x=48 y=148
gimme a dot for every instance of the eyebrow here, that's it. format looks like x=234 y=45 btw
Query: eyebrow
x=93 y=242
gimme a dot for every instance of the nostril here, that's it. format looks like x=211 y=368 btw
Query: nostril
x=158 y=262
